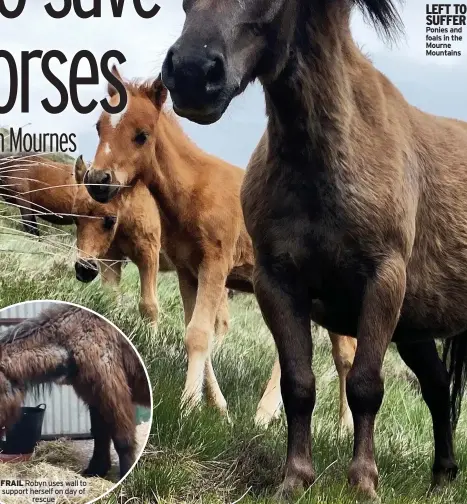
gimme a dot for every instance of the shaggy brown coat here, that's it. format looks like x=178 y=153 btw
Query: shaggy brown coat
x=70 y=345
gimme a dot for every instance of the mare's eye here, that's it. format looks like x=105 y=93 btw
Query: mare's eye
x=257 y=29
x=140 y=138
x=98 y=128
x=109 y=222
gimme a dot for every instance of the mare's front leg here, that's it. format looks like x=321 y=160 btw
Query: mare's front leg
x=423 y=359
x=343 y=353
x=148 y=268
x=285 y=306
x=100 y=462
x=380 y=310
x=201 y=327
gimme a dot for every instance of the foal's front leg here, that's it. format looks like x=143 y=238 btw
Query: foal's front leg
x=286 y=309
x=379 y=315
x=201 y=327
x=148 y=306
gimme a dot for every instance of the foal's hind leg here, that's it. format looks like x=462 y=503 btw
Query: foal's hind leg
x=269 y=407
x=100 y=462
x=212 y=386
x=423 y=359
x=286 y=310
x=343 y=353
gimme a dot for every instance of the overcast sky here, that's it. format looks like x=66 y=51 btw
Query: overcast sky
x=434 y=84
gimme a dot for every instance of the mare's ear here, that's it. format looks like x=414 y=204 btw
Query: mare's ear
x=79 y=169
x=158 y=92
x=111 y=89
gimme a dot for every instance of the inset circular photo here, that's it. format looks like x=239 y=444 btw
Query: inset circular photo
x=75 y=404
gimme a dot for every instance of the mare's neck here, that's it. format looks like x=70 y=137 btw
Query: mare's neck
x=308 y=103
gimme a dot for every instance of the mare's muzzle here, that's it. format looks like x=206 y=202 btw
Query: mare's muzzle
x=197 y=82
x=86 y=270
x=101 y=185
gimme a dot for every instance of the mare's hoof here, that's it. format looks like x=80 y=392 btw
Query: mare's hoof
x=299 y=475
x=289 y=490
x=443 y=476
x=363 y=477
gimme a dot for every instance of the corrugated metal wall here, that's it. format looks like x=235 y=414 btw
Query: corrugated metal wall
x=66 y=414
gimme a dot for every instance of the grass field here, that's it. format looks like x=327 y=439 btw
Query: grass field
x=200 y=458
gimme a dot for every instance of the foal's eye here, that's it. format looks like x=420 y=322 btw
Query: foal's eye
x=98 y=128
x=140 y=138
x=109 y=222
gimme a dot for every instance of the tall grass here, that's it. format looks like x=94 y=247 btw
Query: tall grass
x=201 y=458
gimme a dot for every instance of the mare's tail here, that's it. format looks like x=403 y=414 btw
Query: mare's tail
x=455 y=360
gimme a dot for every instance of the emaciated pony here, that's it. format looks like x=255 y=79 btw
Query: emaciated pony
x=72 y=346
x=203 y=231
x=355 y=202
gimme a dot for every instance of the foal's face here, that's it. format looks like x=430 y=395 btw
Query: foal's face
x=225 y=44
x=126 y=150
x=94 y=235
x=95 y=230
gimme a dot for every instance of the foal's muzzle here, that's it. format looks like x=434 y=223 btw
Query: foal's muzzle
x=86 y=270
x=101 y=185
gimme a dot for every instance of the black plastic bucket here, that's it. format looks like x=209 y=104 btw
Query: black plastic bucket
x=23 y=436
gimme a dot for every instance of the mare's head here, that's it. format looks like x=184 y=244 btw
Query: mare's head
x=226 y=44
x=126 y=150
x=95 y=231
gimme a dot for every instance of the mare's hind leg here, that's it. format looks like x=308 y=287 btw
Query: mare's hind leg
x=423 y=359
x=100 y=462
x=343 y=353
x=286 y=309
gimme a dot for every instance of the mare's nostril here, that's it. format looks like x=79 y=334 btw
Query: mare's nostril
x=215 y=72
x=106 y=178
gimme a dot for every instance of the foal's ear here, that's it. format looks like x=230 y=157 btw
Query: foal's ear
x=159 y=92
x=111 y=89
x=79 y=169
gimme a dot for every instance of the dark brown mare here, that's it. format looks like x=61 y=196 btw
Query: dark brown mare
x=355 y=202
x=68 y=345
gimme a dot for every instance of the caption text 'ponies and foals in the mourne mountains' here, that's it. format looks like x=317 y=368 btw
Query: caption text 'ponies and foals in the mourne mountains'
x=69 y=345
x=355 y=202
x=203 y=232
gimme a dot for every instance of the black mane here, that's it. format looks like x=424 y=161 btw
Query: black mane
x=383 y=15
